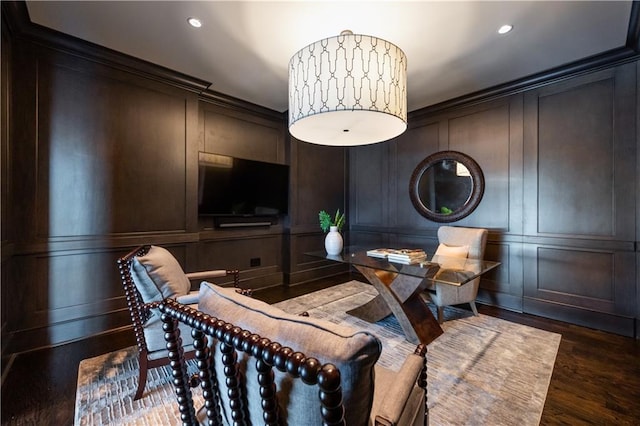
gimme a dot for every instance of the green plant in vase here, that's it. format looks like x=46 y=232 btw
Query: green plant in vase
x=327 y=221
x=332 y=225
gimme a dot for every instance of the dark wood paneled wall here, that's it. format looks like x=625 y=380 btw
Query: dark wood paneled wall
x=637 y=190
x=100 y=154
x=560 y=165
x=6 y=236
x=254 y=134
x=102 y=159
x=319 y=179
x=580 y=172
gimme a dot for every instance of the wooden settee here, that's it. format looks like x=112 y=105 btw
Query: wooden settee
x=259 y=365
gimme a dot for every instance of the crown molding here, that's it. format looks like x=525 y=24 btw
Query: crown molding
x=633 y=33
x=16 y=21
x=16 y=16
x=629 y=53
x=591 y=64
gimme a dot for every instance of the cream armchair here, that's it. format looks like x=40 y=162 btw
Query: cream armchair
x=458 y=242
x=149 y=275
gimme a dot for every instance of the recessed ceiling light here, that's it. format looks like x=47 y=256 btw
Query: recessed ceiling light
x=194 y=22
x=505 y=29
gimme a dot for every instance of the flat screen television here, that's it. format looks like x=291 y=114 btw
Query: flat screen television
x=235 y=187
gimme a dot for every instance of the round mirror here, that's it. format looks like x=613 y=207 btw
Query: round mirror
x=446 y=186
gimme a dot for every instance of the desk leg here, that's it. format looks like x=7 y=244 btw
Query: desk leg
x=372 y=311
x=399 y=295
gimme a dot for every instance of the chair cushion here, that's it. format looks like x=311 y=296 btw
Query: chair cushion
x=353 y=352
x=154 y=336
x=453 y=257
x=452 y=251
x=158 y=275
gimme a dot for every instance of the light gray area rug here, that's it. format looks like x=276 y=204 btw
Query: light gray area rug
x=107 y=383
x=481 y=371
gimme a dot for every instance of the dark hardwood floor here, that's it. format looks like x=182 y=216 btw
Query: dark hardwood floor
x=596 y=379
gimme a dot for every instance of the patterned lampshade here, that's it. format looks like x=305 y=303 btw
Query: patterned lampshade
x=348 y=90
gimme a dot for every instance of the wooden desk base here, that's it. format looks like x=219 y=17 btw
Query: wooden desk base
x=399 y=295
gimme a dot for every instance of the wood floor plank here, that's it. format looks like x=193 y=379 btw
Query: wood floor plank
x=596 y=377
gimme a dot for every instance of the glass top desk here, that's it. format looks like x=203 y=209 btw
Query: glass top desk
x=399 y=286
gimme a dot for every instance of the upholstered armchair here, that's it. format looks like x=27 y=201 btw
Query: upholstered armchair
x=260 y=365
x=149 y=275
x=457 y=242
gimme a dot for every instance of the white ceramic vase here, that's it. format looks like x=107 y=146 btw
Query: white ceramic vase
x=333 y=241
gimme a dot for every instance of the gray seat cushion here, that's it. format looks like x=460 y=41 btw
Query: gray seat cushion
x=353 y=352
x=154 y=336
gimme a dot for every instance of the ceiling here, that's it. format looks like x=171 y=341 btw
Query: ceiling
x=243 y=47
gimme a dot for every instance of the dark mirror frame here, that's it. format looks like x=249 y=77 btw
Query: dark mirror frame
x=477 y=190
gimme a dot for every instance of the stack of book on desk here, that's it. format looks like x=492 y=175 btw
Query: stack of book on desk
x=382 y=253
x=405 y=256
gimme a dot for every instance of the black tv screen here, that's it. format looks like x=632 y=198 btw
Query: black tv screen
x=229 y=186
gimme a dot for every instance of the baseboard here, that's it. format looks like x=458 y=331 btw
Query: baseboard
x=67 y=332
x=585 y=318
x=301 y=277
x=500 y=300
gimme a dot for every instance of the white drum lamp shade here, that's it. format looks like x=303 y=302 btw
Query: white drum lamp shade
x=348 y=90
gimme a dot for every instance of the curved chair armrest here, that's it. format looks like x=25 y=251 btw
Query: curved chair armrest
x=221 y=273
x=190 y=298
x=394 y=402
x=207 y=274
x=216 y=273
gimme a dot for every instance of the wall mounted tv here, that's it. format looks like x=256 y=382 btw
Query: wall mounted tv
x=239 y=192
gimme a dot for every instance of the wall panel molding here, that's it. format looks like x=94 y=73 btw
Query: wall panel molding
x=577 y=150
x=22 y=28
x=406 y=152
x=523 y=140
x=369 y=185
x=369 y=182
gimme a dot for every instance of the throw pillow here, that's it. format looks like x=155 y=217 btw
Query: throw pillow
x=158 y=275
x=452 y=251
